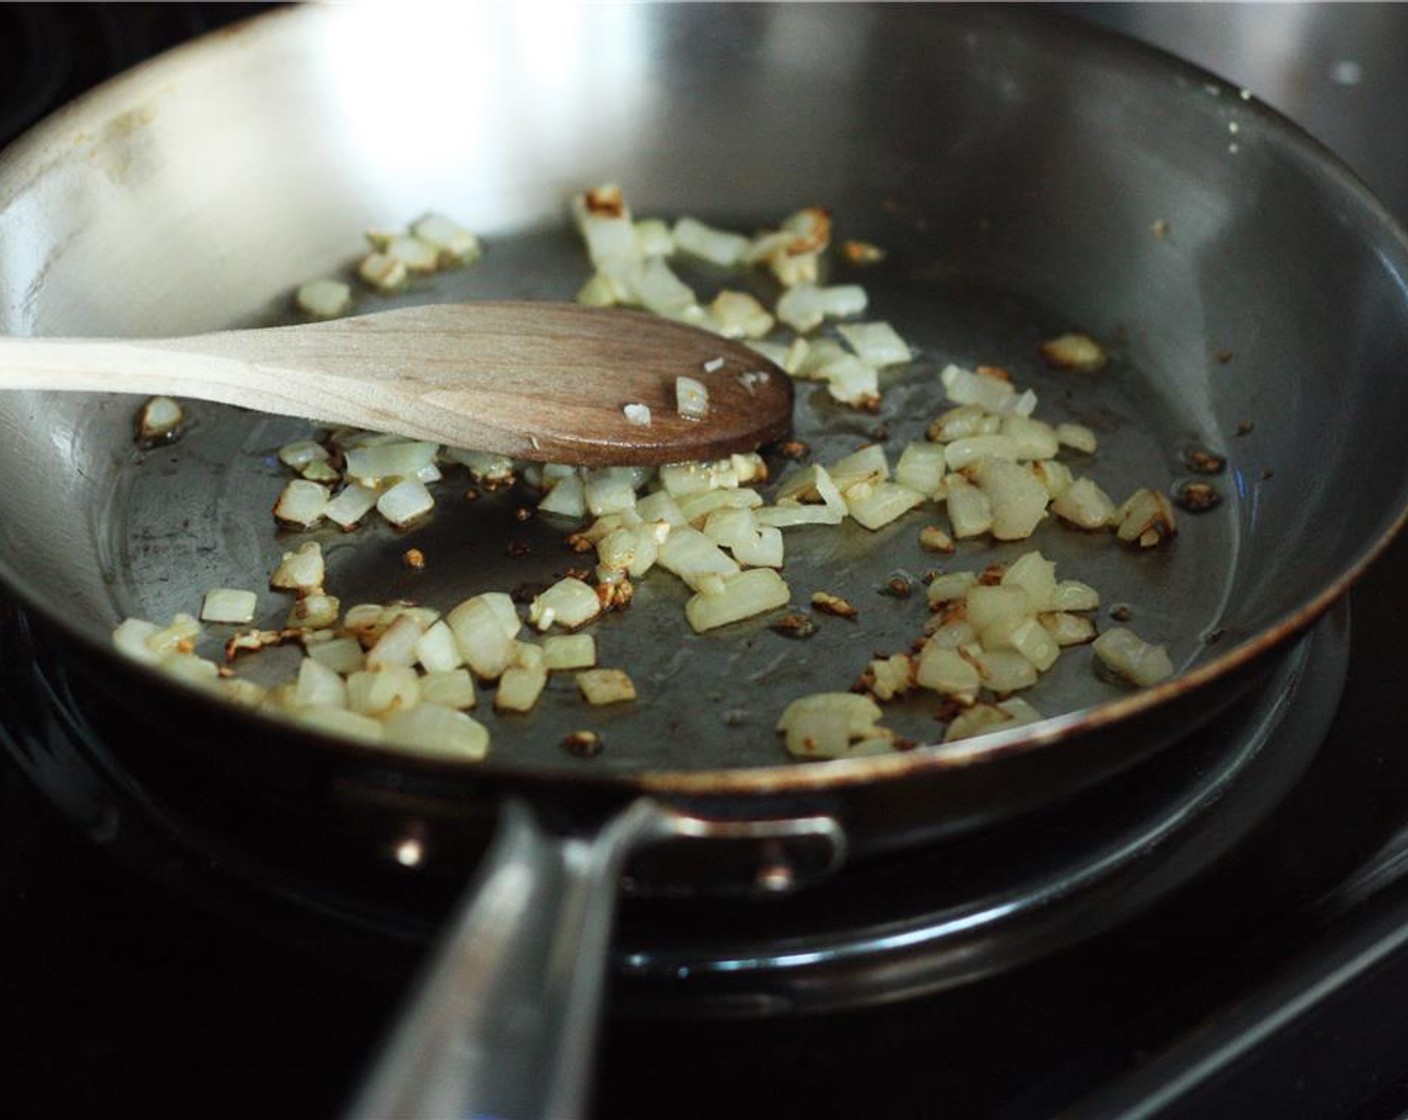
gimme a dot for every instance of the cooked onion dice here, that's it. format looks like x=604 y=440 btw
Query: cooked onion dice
x=389 y=461
x=1084 y=505
x=350 y=505
x=1077 y=352
x=1035 y=575
x=691 y=398
x=886 y=502
x=159 y=420
x=480 y=634
x=804 y=305
x=324 y=299
x=950 y=586
x=319 y=686
x=1077 y=437
x=922 y=467
x=1026 y=636
x=131 y=637
x=450 y=688
x=405 y=502
x=436 y=649
x=453 y=243
x=878 y=344
x=569 y=651
x=302 y=570
x=302 y=503
x=1067 y=629
x=341 y=655
x=829 y=724
x=438 y=731
x=1018 y=500
x=568 y=603
x=739 y=315
x=383 y=271
x=741 y=595
x=1126 y=654
x=694 y=557
x=520 y=687
x=948 y=672
x=383 y=691
x=716 y=246
x=1004 y=670
x=605 y=686
x=969 y=509
x=341 y=722
x=225 y=604
x=315 y=611
x=397 y=644
x=1146 y=519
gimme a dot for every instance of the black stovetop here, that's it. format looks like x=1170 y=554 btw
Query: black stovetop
x=1273 y=985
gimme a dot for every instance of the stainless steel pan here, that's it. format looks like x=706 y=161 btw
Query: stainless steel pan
x=1026 y=176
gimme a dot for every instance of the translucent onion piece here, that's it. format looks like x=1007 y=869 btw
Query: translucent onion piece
x=324 y=299
x=438 y=731
x=741 y=595
x=302 y=503
x=225 y=604
x=1126 y=654
x=405 y=502
x=605 y=686
x=877 y=344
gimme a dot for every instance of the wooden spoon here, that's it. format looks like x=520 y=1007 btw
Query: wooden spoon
x=542 y=381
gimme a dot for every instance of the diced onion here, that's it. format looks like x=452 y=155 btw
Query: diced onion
x=691 y=398
x=716 y=246
x=438 y=731
x=351 y=504
x=319 y=686
x=159 y=420
x=1085 y=505
x=520 y=687
x=885 y=502
x=605 y=686
x=568 y=603
x=877 y=344
x=921 y=467
x=383 y=691
x=449 y=688
x=383 y=271
x=301 y=570
x=1125 y=653
x=225 y=604
x=405 y=502
x=324 y=299
x=454 y=243
x=436 y=649
x=569 y=651
x=302 y=503
x=388 y=462
x=741 y=595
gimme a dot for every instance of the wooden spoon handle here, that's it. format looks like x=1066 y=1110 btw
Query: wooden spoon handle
x=533 y=380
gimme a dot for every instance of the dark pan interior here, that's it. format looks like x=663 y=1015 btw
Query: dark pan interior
x=1015 y=169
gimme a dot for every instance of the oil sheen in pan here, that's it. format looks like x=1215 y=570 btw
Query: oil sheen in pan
x=196 y=514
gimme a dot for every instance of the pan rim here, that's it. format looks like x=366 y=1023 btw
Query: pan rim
x=29 y=156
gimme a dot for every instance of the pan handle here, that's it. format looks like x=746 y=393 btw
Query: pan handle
x=504 y=1021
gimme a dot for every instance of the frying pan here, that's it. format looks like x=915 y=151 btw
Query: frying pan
x=1026 y=176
